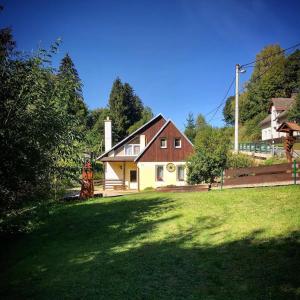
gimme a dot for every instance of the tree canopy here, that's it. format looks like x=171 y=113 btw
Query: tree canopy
x=210 y=158
x=74 y=101
x=274 y=75
x=125 y=107
x=38 y=136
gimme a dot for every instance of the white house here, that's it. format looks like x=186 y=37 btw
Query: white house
x=278 y=112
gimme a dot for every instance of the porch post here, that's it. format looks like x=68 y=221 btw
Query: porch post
x=124 y=174
x=138 y=177
x=104 y=175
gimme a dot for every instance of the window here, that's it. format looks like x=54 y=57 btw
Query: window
x=159 y=173
x=177 y=142
x=180 y=173
x=132 y=149
x=163 y=143
x=136 y=149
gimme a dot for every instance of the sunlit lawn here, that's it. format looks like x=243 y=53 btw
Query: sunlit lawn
x=233 y=244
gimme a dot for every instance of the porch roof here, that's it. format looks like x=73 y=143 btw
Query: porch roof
x=118 y=158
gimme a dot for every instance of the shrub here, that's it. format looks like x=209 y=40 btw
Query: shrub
x=148 y=189
x=239 y=160
x=274 y=161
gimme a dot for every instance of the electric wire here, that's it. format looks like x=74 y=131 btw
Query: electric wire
x=266 y=57
x=222 y=102
x=248 y=65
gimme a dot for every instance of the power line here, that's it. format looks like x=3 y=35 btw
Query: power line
x=258 y=76
x=266 y=57
x=222 y=102
x=248 y=65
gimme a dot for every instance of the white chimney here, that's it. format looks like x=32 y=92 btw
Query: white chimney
x=142 y=142
x=107 y=134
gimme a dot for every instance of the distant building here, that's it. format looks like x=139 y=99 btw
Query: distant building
x=278 y=111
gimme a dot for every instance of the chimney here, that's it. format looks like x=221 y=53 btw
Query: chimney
x=107 y=134
x=142 y=142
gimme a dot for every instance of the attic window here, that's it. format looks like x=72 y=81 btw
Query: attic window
x=163 y=143
x=177 y=142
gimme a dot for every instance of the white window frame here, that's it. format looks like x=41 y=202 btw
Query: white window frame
x=163 y=139
x=177 y=173
x=131 y=146
x=177 y=138
x=156 y=178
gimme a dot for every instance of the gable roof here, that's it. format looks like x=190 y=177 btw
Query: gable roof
x=288 y=126
x=131 y=135
x=266 y=120
x=157 y=134
x=281 y=103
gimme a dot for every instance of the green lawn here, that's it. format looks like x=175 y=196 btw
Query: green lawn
x=231 y=244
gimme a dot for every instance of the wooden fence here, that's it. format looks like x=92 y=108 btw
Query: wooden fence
x=264 y=175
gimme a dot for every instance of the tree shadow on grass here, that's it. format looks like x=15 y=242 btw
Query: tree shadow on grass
x=110 y=250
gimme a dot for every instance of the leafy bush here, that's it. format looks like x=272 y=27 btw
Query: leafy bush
x=239 y=160
x=40 y=142
x=148 y=189
x=212 y=146
x=274 y=161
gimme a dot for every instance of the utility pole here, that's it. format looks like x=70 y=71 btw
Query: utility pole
x=236 y=116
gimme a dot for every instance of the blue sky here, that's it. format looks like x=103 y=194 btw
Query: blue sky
x=179 y=56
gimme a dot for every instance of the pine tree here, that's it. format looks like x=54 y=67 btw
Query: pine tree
x=126 y=108
x=190 y=127
x=200 y=122
x=147 y=115
x=75 y=104
x=134 y=104
x=118 y=109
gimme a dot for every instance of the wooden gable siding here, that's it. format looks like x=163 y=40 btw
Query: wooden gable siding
x=170 y=154
x=151 y=130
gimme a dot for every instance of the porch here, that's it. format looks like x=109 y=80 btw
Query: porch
x=120 y=175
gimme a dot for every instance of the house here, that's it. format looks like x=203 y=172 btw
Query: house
x=278 y=111
x=152 y=156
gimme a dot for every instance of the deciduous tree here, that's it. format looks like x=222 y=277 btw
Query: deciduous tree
x=211 y=148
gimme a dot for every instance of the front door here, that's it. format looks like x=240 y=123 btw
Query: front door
x=133 y=180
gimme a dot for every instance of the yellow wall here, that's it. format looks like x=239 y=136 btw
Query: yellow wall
x=114 y=170
x=147 y=175
x=130 y=166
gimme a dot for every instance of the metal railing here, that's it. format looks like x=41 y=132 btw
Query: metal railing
x=255 y=147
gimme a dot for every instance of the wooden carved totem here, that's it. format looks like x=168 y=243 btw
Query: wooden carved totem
x=289 y=128
x=288 y=146
x=87 y=184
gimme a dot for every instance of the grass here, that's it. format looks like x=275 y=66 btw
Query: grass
x=231 y=244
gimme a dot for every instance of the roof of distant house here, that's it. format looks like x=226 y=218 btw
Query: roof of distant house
x=281 y=103
x=266 y=120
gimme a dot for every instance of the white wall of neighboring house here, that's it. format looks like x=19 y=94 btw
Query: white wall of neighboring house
x=270 y=132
